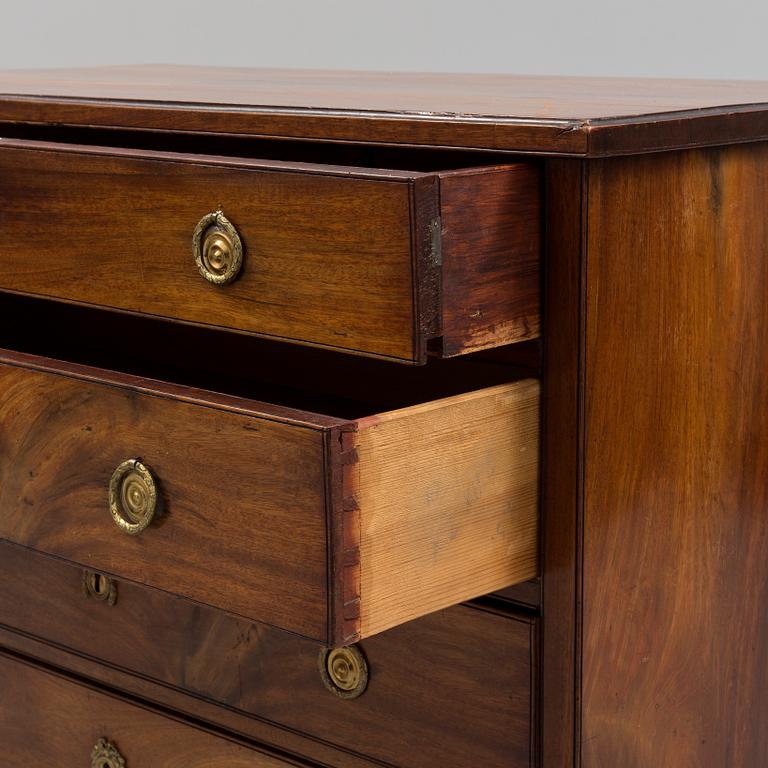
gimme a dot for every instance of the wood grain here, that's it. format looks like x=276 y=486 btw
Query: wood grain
x=234 y=722
x=266 y=512
x=265 y=683
x=675 y=573
x=314 y=241
x=213 y=360
x=513 y=112
x=317 y=239
x=540 y=97
x=244 y=524
x=562 y=461
x=491 y=253
x=446 y=502
x=48 y=719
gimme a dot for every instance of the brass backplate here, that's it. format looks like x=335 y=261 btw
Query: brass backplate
x=133 y=496
x=217 y=248
x=99 y=587
x=344 y=671
x=106 y=755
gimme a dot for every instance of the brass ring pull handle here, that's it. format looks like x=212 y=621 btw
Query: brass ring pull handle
x=217 y=248
x=344 y=671
x=132 y=497
x=106 y=755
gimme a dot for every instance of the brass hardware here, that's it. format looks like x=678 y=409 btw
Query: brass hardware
x=344 y=671
x=132 y=497
x=217 y=248
x=99 y=587
x=106 y=755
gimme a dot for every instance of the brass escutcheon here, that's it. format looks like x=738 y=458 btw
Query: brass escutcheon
x=344 y=671
x=99 y=587
x=132 y=496
x=106 y=755
x=217 y=248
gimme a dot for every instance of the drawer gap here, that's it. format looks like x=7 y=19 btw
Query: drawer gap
x=355 y=154
x=291 y=375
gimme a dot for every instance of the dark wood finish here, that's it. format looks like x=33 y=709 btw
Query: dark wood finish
x=49 y=719
x=572 y=115
x=675 y=574
x=520 y=136
x=264 y=506
x=250 y=367
x=562 y=438
x=491 y=258
x=526 y=594
x=467 y=659
x=244 y=525
x=316 y=240
x=649 y=648
x=679 y=130
x=338 y=257
x=234 y=722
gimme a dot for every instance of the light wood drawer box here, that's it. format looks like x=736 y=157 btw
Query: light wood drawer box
x=465 y=658
x=48 y=719
x=332 y=528
x=372 y=261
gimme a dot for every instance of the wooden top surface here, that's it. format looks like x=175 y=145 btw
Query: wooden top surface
x=563 y=115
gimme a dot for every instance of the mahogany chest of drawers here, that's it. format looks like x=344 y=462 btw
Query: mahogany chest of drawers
x=356 y=420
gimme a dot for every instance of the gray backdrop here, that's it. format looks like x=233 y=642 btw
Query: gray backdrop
x=685 y=38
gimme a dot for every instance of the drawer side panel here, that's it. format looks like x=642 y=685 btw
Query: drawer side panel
x=448 y=502
x=491 y=252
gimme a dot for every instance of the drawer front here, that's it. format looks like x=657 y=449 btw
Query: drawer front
x=47 y=719
x=302 y=521
x=451 y=689
x=347 y=258
x=243 y=522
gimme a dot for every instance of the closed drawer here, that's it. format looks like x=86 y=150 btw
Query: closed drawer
x=332 y=528
x=377 y=262
x=453 y=689
x=47 y=719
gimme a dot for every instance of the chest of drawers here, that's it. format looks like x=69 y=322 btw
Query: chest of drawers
x=358 y=420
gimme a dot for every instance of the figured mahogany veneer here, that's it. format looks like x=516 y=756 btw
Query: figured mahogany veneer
x=334 y=529
x=370 y=261
x=49 y=719
x=467 y=658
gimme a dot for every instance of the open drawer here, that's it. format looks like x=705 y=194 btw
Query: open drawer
x=335 y=528
x=378 y=262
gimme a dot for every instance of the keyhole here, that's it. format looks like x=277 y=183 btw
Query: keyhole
x=98 y=587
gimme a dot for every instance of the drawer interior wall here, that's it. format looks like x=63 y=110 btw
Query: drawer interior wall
x=292 y=375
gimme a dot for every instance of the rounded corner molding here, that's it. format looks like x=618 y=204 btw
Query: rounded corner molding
x=217 y=248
